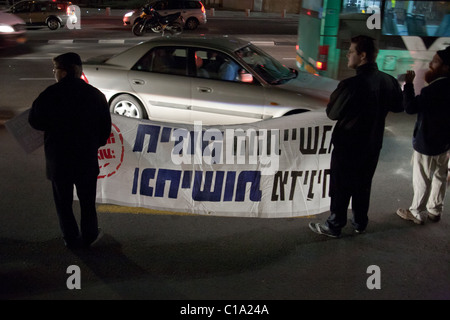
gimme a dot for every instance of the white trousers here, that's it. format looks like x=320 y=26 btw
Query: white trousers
x=429 y=183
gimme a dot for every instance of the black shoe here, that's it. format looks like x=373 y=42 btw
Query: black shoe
x=434 y=217
x=96 y=240
x=72 y=244
x=322 y=229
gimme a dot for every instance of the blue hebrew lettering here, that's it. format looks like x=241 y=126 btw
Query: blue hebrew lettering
x=174 y=176
x=253 y=177
x=207 y=194
x=229 y=186
x=147 y=175
x=142 y=131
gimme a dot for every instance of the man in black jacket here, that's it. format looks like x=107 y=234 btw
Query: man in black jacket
x=76 y=122
x=360 y=105
x=431 y=139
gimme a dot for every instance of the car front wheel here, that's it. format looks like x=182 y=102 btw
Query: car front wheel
x=53 y=24
x=191 y=24
x=128 y=106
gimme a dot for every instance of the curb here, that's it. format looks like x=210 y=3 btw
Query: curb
x=136 y=41
x=217 y=14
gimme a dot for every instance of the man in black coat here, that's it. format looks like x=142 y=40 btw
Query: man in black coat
x=360 y=105
x=76 y=122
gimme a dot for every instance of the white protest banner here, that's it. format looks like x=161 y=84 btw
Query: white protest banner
x=27 y=137
x=268 y=169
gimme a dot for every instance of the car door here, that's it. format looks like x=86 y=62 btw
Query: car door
x=22 y=10
x=160 y=80
x=215 y=100
x=38 y=12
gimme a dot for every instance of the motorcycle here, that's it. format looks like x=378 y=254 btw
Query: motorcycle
x=150 y=19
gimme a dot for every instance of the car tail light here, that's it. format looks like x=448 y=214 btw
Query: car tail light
x=203 y=8
x=83 y=77
x=321 y=63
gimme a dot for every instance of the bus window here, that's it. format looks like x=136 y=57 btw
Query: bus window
x=416 y=18
x=408 y=34
x=360 y=6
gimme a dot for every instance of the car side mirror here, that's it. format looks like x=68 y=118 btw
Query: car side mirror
x=246 y=77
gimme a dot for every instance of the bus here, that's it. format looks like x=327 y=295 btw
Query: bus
x=408 y=34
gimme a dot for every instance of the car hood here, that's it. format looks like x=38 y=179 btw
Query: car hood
x=98 y=59
x=311 y=85
x=9 y=18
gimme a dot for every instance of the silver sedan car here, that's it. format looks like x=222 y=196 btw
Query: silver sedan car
x=215 y=80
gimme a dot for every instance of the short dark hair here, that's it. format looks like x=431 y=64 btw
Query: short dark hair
x=69 y=62
x=445 y=55
x=366 y=44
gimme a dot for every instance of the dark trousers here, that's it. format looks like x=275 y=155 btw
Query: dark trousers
x=351 y=178
x=86 y=187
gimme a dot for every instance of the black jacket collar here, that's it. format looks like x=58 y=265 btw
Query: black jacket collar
x=367 y=67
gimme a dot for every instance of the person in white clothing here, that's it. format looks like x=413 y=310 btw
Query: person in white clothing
x=431 y=140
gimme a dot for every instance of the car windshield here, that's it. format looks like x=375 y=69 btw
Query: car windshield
x=265 y=66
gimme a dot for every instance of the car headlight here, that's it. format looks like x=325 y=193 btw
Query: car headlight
x=129 y=14
x=6 y=28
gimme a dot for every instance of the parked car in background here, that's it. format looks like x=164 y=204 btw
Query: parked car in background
x=192 y=11
x=52 y=13
x=12 y=30
x=213 y=79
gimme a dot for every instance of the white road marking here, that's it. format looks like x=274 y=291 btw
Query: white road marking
x=38 y=79
x=263 y=43
x=112 y=41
